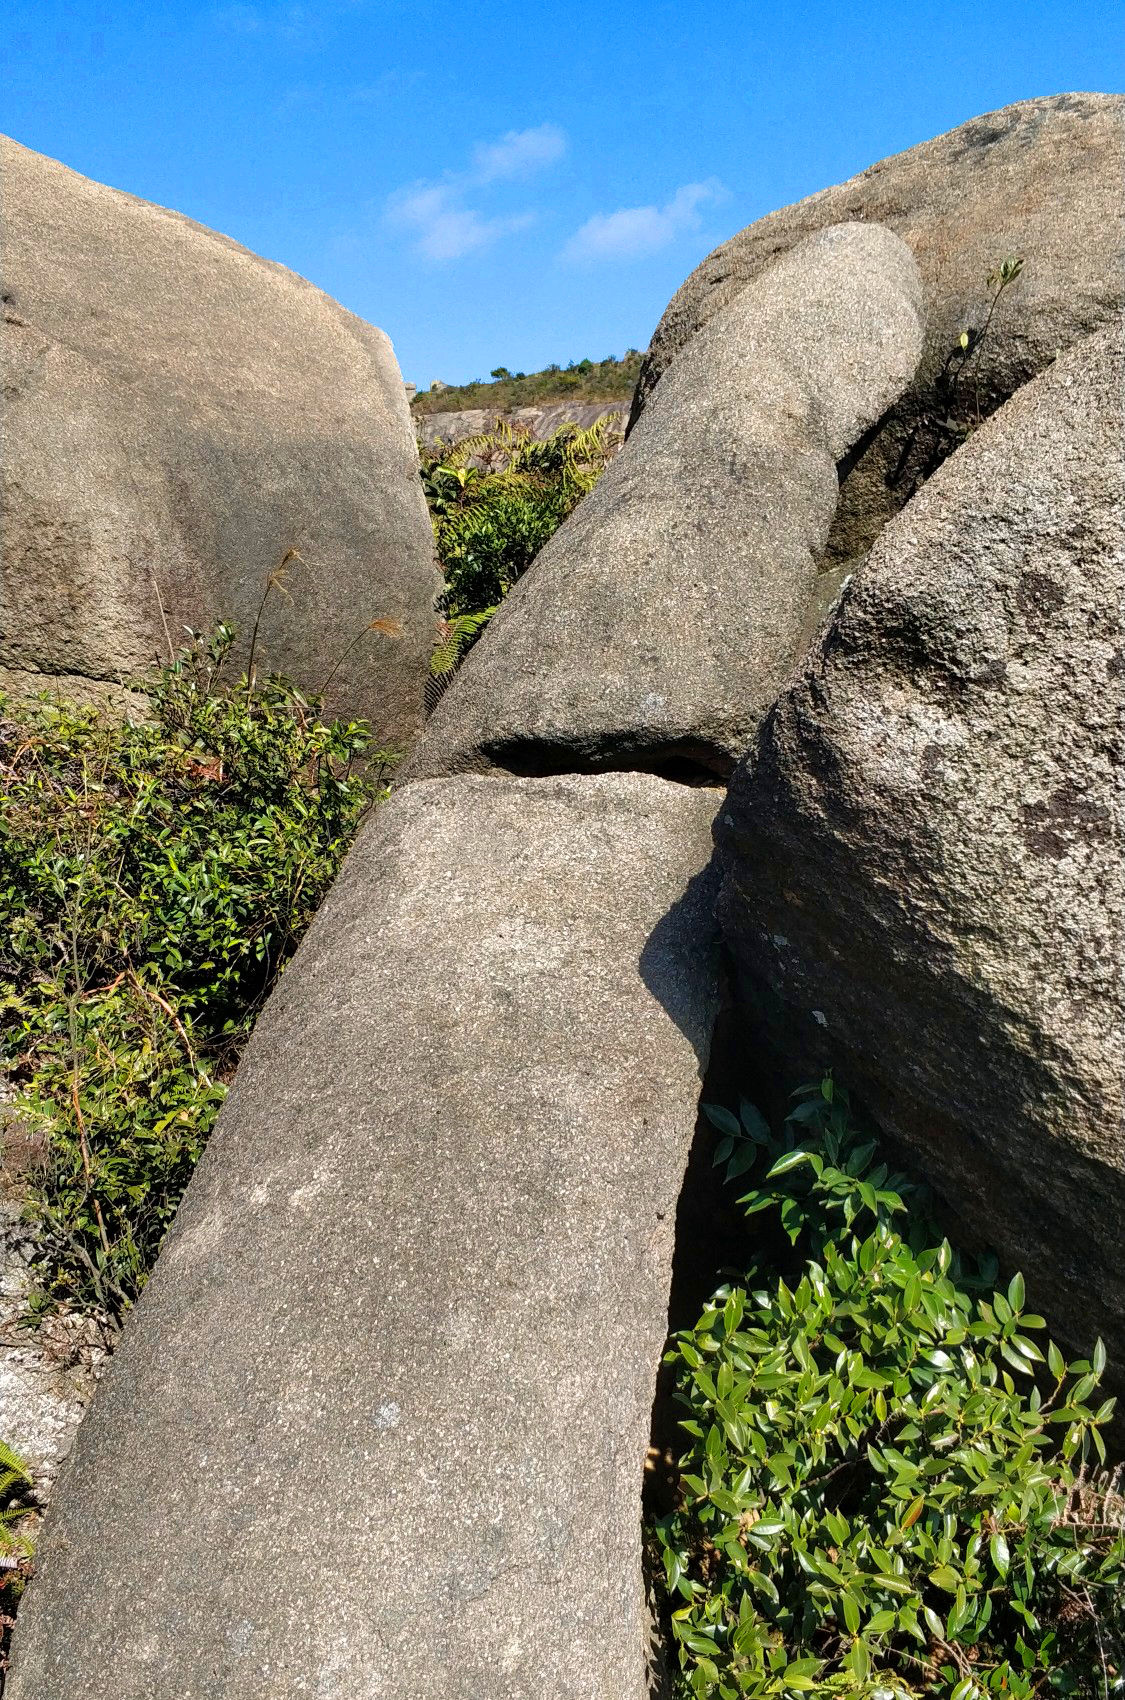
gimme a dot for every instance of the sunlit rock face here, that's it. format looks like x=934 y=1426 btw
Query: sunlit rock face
x=1039 y=180
x=923 y=873
x=178 y=416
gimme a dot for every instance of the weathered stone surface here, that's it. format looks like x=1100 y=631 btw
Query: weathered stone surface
x=47 y=1374
x=1040 y=179
x=540 y=422
x=379 y=1422
x=660 y=619
x=177 y=413
x=923 y=872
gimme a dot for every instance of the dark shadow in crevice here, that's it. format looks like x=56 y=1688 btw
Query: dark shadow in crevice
x=677 y=963
x=895 y=458
x=714 y=1241
x=851 y=457
x=681 y=761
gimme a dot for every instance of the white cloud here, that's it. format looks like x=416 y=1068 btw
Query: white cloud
x=634 y=232
x=303 y=25
x=442 y=228
x=289 y=23
x=441 y=217
x=518 y=153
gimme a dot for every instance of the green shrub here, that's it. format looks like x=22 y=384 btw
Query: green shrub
x=491 y=541
x=154 y=879
x=16 y=1488
x=495 y=500
x=889 y=1487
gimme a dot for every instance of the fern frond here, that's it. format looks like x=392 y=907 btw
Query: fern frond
x=458 y=636
x=13 y=1468
x=15 y=1479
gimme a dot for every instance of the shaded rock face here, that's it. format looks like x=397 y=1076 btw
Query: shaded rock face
x=923 y=870
x=539 y=422
x=1040 y=179
x=378 y=1424
x=178 y=413
x=658 y=622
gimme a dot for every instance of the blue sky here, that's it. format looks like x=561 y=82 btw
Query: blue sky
x=513 y=183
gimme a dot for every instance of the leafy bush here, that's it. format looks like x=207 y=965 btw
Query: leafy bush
x=495 y=535
x=155 y=876
x=606 y=380
x=494 y=502
x=889 y=1486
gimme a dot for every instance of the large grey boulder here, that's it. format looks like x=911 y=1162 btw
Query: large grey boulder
x=658 y=622
x=177 y=414
x=923 y=874
x=379 y=1422
x=1042 y=180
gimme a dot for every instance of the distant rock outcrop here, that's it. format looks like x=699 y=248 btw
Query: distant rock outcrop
x=924 y=856
x=177 y=414
x=1040 y=180
x=538 y=422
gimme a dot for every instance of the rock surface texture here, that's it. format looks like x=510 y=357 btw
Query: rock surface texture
x=177 y=414
x=660 y=619
x=379 y=1423
x=924 y=882
x=47 y=1375
x=1039 y=180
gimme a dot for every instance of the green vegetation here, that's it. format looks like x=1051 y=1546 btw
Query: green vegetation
x=494 y=501
x=583 y=380
x=15 y=1487
x=18 y=1514
x=155 y=877
x=890 y=1488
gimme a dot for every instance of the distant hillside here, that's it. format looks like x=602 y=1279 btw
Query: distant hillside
x=582 y=381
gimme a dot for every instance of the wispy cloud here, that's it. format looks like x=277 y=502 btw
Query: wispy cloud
x=394 y=81
x=442 y=228
x=519 y=153
x=634 y=232
x=440 y=216
x=289 y=22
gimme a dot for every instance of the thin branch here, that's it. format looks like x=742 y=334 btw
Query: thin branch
x=83 y=1141
x=274 y=581
x=163 y=617
x=149 y=992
